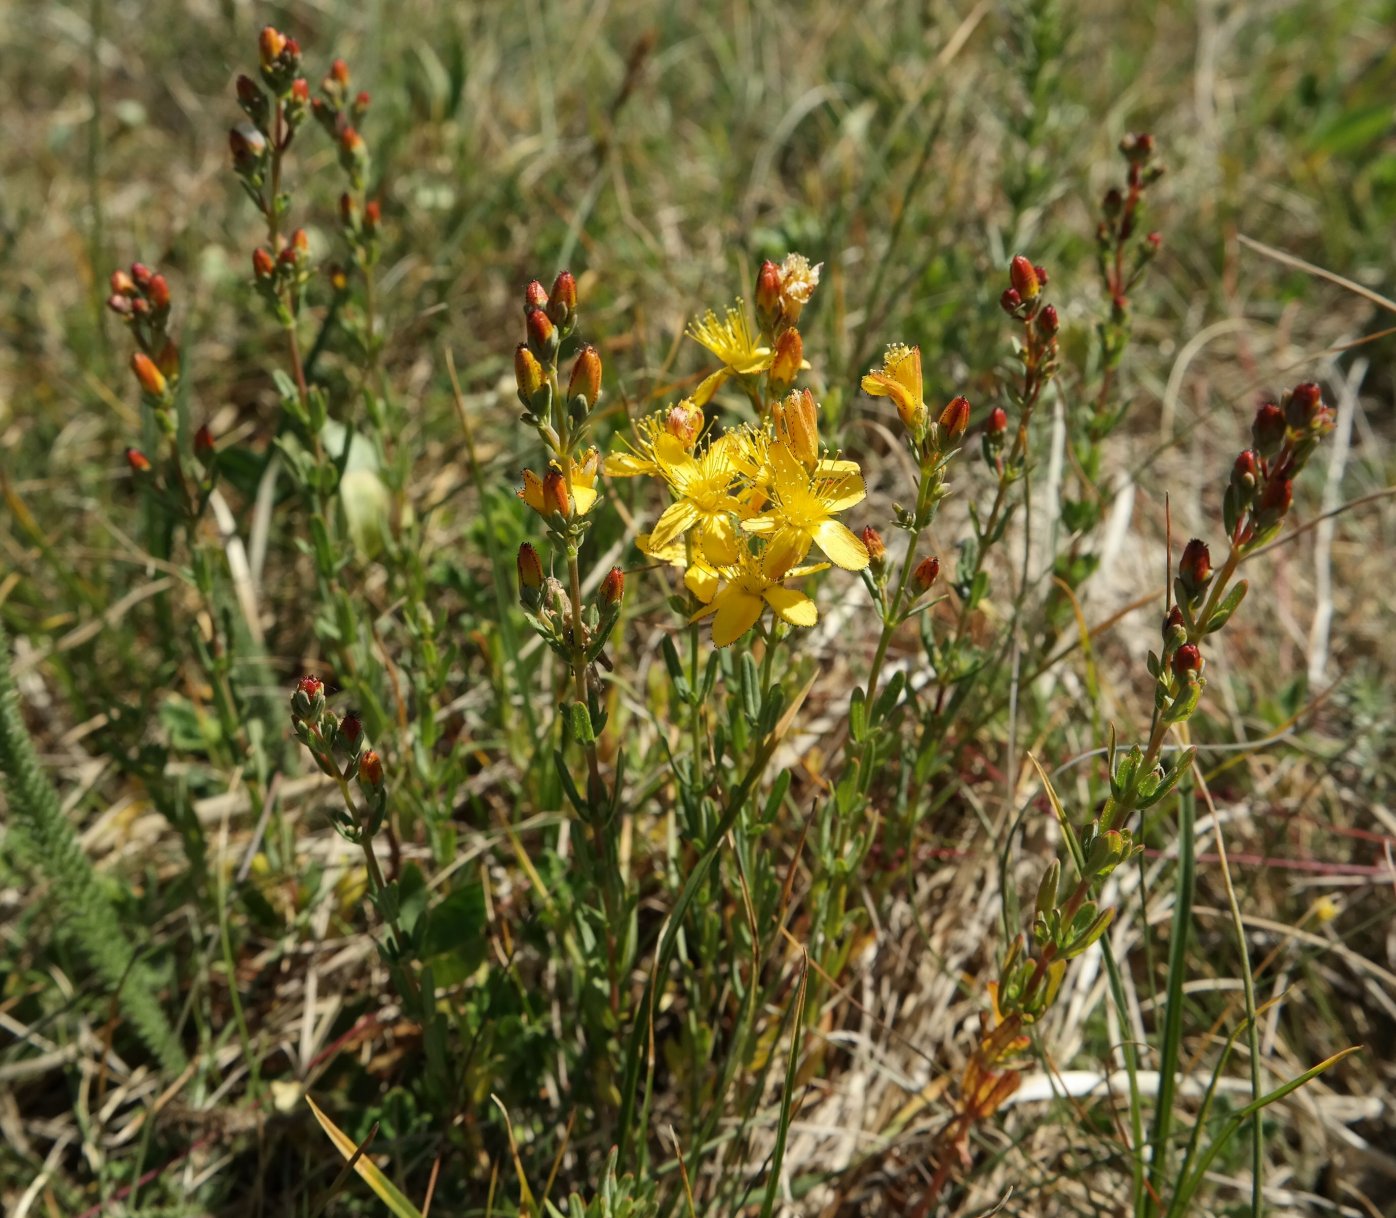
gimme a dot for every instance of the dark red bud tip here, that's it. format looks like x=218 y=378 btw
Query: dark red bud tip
x=562 y=300
x=1305 y=406
x=373 y=215
x=371 y=769
x=142 y=275
x=1187 y=659
x=1195 y=567
x=926 y=573
x=1174 y=621
x=873 y=543
x=542 y=336
x=362 y=100
x=1154 y=241
x=1048 y=323
x=339 y=72
x=311 y=686
x=1268 y=430
x=1010 y=302
x=954 y=419
x=204 y=446
x=300 y=90
x=351 y=729
x=998 y=421
x=1024 y=277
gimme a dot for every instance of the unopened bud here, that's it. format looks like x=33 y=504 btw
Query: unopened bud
x=797 y=425
x=1268 y=430
x=351 y=143
x=1010 y=301
x=120 y=305
x=270 y=43
x=954 y=419
x=339 y=73
x=530 y=576
x=926 y=573
x=158 y=293
x=308 y=698
x=142 y=275
x=167 y=359
x=685 y=423
x=373 y=216
x=351 y=732
x=876 y=548
x=785 y=362
x=151 y=379
x=535 y=296
x=612 y=590
x=122 y=284
x=263 y=264
x=1187 y=659
x=1195 y=567
x=997 y=424
x=528 y=374
x=251 y=98
x=555 y=497
x=247 y=145
x=204 y=447
x=562 y=301
x=138 y=461
x=1174 y=621
x=585 y=381
x=1246 y=470
x=767 y=296
x=1048 y=323
x=1275 y=501
x=362 y=101
x=371 y=770
x=542 y=334
x=1304 y=406
x=1024 y=277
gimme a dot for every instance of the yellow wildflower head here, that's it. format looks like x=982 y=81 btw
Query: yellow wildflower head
x=899 y=378
x=804 y=503
x=746 y=593
x=731 y=340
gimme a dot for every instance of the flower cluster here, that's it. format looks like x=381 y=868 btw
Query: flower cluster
x=328 y=737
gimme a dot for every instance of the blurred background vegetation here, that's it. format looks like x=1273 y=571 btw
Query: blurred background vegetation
x=661 y=152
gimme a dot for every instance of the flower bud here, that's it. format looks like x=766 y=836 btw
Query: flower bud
x=204 y=447
x=1010 y=302
x=1195 y=567
x=785 y=362
x=122 y=284
x=158 y=293
x=362 y=101
x=685 y=423
x=351 y=143
x=251 y=98
x=339 y=73
x=248 y=146
x=270 y=44
x=1174 y=621
x=308 y=698
x=373 y=216
x=542 y=335
x=997 y=424
x=954 y=419
x=585 y=381
x=351 y=732
x=300 y=92
x=926 y=573
x=612 y=590
x=371 y=770
x=1187 y=659
x=1275 y=501
x=797 y=425
x=1048 y=323
x=562 y=301
x=535 y=296
x=876 y=548
x=1268 y=430
x=167 y=360
x=263 y=265
x=555 y=497
x=767 y=296
x=1024 y=277
x=151 y=379
x=528 y=375
x=1304 y=405
x=138 y=461
x=530 y=576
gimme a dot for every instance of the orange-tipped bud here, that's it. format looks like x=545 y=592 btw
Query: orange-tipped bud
x=351 y=143
x=158 y=293
x=555 y=497
x=876 y=548
x=926 y=573
x=528 y=374
x=542 y=334
x=270 y=44
x=122 y=284
x=308 y=698
x=373 y=216
x=1024 y=278
x=585 y=381
x=685 y=423
x=138 y=461
x=530 y=575
x=612 y=590
x=167 y=360
x=1195 y=567
x=535 y=296
x=300 y=91
x=151 y=379
x=998 y=421
x=351 y=732
x=371 y=770
x=562 y=300
x=767 y=296
x=797 y=425
x=785 y=363
x=362 y=100
x=339 y=73
x=954 y=419
x=204 y=448
x=263 y=264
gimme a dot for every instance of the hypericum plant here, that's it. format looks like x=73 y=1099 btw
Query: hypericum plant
x=1067 y=919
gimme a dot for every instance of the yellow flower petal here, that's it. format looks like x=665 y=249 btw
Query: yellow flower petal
x=841 y=546
x=785 y=548
x=718 y=538
x=791 y=606
x=532 y=491
x=628 y=465
x=678 y=518
x=842 y=491
x=737 y=613
x=702 y=581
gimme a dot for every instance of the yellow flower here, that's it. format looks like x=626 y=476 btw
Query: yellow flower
x=684 y=422
x=899 y=378
x=745 y=596
x=731 y=340
x=698 y=577
x=802 y=514
x=701 y=485
x=583 y=485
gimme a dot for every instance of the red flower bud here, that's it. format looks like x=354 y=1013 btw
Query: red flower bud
x=1048 y=323
x=926 y=573
x=270 y=44
x=351 y=143
x=1275 y=500
x=158 y=293
x=1010 y=302
x=204 y=447
x=300 y=91
x=122 y=284
x=373 y=215
x=562 y=300
x=542 y=335
x=1187 y=659
x=612 y=590
x=250 y=97
x=1268 y=430
x=371 y=770
x=167 y=359
x=308 y=698
x=1304 y=406
x=555 y=497
x=120 y=305
x=362 y=100
x=1195 y=567
x=138 y=461
x=585 y=381
x=875 y=546
x=339 y=73
x=528 y=374
x=685 y=423
x=263 y=265
x=142 y=275
x=530 y=569
x=1246 y=470
x=954 y=419
x=1174 y=621
x=1024 y=277
x=151 y=379
x=767 y=295
x=535 y=296
x=351 y=731
x=998 y=421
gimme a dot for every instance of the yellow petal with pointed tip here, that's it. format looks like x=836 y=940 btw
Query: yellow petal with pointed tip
x=793 y=607
x=736 y=614
x=841 y=546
